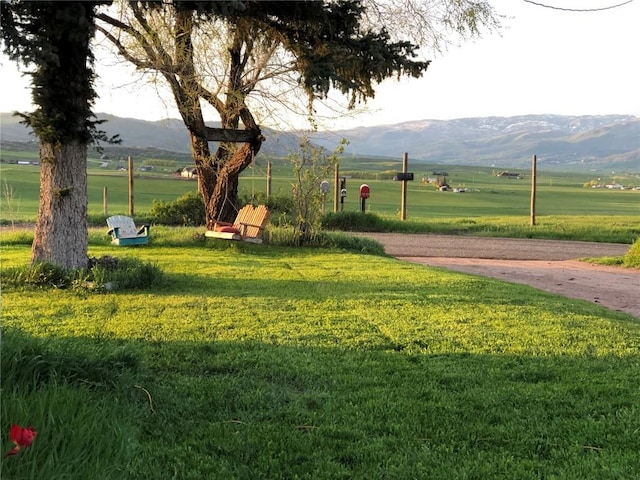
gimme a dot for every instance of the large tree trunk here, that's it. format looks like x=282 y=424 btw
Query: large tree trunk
x=218 y=177
x=61 y=235
x=222 y=204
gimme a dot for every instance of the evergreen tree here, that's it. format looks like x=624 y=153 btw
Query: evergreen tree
x=54 y=39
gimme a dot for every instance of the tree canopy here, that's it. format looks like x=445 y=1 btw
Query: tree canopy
x=53 y=40
x=246 y=57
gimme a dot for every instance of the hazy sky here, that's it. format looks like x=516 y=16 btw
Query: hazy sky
x=543 y=61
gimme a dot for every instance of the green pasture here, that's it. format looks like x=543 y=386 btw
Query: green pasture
x=256 y=361
x=558 y=193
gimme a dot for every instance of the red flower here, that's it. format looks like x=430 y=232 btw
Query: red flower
x=22 y=437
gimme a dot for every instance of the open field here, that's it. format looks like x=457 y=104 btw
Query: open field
x=254 y=361
x=558 y=193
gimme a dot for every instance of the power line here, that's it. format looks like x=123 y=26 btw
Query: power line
x=578 y=9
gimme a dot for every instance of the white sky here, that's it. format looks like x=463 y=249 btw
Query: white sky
x=542 y=61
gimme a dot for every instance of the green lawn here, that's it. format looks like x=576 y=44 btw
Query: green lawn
x=254 y=361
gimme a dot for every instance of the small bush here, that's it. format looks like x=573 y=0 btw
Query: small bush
x=187 y=210
x=280 y=207
x=278 y=204
x=354 y=222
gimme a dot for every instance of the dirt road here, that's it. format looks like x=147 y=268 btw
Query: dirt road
x=548 y=265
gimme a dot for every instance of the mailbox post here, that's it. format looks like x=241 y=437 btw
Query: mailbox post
x=404 y=177
x=364 y=194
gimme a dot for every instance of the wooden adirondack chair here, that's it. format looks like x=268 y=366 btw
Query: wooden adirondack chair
x=124 y=232
x=248 y=226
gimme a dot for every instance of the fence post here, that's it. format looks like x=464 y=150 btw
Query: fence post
x=104 y=202
x=269 y=179
x=130 y=186
x=336 y=190
x=532 y=221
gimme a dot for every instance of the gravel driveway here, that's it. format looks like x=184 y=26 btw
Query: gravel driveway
x=549 y=265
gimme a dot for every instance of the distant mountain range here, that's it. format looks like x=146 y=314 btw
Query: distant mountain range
x=573 y=142
x=556 y=140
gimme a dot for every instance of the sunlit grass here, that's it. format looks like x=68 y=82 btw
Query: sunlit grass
x=256 y=361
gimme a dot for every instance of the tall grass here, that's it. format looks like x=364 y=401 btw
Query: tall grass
x=80 y=404
x=623 y=229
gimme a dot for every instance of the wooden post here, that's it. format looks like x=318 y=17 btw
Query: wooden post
x=533 y=191
x=105 y=210
x=336 y=189
x=130 y=186
x=403 y=202
x=268 y=178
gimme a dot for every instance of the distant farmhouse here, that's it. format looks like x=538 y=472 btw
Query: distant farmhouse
x=188 y=172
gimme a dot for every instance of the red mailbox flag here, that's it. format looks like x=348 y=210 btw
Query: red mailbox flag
x=364 y=191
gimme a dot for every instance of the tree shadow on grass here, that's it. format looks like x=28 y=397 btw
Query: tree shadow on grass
x=222 y=409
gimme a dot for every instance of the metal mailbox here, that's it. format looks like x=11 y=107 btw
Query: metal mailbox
x=403 y=177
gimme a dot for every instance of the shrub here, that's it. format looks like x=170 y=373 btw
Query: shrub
x=311 y=165
x=353 y=221
x=106 y=273
x=282 y=204
x=187 y=210
x=41 y=274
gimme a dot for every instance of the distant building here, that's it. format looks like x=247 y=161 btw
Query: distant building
x=189 y=172
x=509 y=175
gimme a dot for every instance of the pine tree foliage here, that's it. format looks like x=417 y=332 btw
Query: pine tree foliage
x=53 y=39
